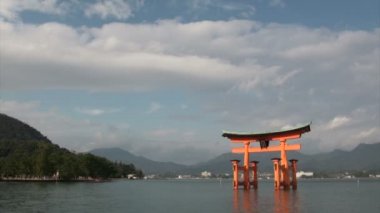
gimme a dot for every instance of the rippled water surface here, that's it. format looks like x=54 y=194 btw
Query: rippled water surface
x=189 y=196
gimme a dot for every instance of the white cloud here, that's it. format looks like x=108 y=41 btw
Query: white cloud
x=338 y=122
x=66 y=131
x=162 y=133
x=119 y=9
x=277 y=3
x=342 y=44
x=10 y=9
x=284 y=78
x=246 y=9
x=95 y=111
x=91 y=111
x=368 y=133
x=290 y=126
x=240 y=54
x=184 y=106
x=345 y=132
x=197 y=4
x=154 y=107
x=82 y=135
x=248 y=75
x=171 y=134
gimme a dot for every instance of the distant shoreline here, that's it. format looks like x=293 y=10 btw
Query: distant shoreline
x=92 y=180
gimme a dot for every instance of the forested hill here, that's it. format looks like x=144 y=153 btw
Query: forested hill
x=13 y=129
x=27 y=154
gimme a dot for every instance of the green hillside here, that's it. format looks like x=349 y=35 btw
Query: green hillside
x=13 y=129
x=26 y=153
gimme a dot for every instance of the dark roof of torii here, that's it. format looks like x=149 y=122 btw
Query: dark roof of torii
x=266 y=135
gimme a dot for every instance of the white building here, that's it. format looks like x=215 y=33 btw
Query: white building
x=206 y=174
x=184 y=177
x=304 y=174
x=131 y=176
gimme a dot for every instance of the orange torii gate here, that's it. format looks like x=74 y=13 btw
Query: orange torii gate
x=281 y=168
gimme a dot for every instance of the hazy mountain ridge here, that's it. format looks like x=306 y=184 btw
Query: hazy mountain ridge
x=148 y=166
x=363 y=157
x=21 y=145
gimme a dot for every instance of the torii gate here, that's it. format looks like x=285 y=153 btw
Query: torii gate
x=281 y=172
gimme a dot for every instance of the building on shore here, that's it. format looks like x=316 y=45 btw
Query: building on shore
x=301 y=174
x=206 y=174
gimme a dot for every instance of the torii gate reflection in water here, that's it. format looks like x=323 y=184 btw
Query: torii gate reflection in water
x=280 y=165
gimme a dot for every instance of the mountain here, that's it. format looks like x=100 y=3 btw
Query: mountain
x=363 y=157
x=13 y=129
x=147 y=165
x=26 y=154
x=221 y=164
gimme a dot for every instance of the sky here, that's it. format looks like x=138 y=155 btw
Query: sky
x=163 y=79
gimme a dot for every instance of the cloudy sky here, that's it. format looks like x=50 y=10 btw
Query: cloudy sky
x=163 y=79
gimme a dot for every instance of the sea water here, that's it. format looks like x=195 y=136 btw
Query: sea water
x=190 y=196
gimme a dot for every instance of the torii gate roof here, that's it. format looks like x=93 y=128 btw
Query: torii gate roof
x=266 y=136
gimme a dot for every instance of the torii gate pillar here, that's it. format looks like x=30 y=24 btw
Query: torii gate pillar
x=284 y=166
x=235 y=168
x=246 y=165
x=293 y=166
x=254 y=173
x=276 y=173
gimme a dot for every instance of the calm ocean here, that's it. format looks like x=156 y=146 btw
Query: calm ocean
x=191 y=196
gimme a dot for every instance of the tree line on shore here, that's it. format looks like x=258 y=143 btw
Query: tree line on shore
x=24 y=152
x=41 y=159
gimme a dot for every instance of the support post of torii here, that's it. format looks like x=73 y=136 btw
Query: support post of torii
x=235 y=168
x=293 y=167
x=264 y=138
x=284 y=166
x=276 y=173
x=254 y=173
x=246 y=166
